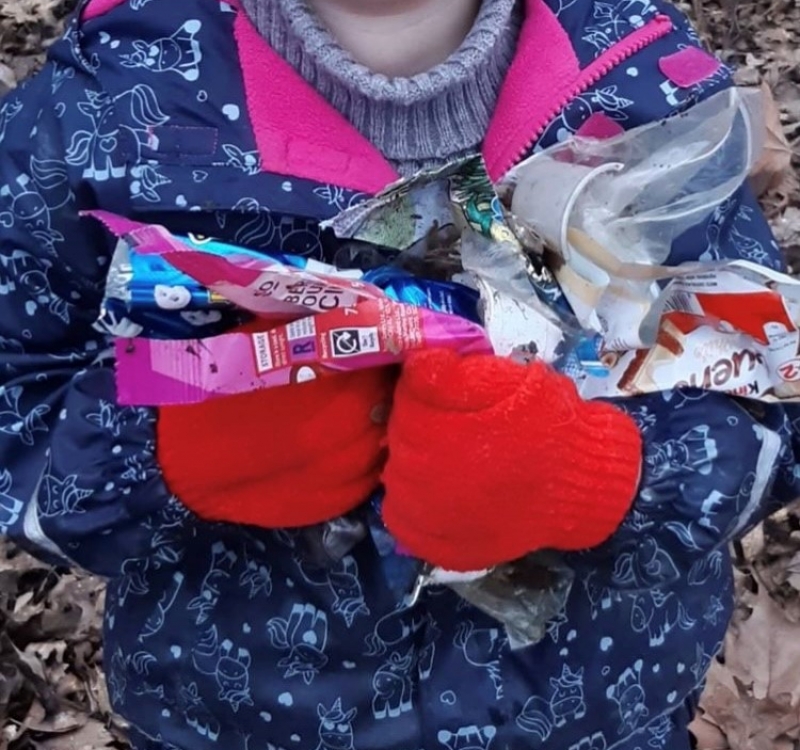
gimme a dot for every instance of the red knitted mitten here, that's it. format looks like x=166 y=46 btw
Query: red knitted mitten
x=279 y=457
x=490 y=460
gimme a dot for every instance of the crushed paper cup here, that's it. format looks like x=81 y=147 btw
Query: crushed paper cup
x=563 y=184
x=632 y=195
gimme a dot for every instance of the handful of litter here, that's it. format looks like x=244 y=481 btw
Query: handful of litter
x=567 y=261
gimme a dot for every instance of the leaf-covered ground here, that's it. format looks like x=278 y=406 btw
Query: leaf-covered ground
x=51 y=688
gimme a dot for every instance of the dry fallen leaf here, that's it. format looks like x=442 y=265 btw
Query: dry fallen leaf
x=768 y=660
x=770 y=551
x=708 y=734
x=775 y=163
x=51 y=681
x=8 y=79
x=92 y=735
x=748 y=723
x=753 y=691
x=63 y=722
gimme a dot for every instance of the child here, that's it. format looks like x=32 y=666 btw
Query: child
x=230 y=621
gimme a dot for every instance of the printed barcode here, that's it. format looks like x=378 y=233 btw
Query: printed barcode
x=301 y=329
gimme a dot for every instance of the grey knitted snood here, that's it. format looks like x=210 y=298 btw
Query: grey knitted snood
x=417 y=122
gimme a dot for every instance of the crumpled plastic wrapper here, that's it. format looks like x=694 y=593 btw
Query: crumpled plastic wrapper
x=450 y=223
x=524 y=595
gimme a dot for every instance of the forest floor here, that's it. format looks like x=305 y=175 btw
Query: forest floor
x=52 y=693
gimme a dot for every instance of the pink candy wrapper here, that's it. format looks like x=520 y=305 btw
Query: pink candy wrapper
x=260 y=286
x=374 y=333
x=355 y=327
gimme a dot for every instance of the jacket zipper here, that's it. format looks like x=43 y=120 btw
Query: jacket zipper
x=636 y=41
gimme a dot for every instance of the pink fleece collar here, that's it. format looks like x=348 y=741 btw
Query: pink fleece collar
x=299 y=133
x=536 y=88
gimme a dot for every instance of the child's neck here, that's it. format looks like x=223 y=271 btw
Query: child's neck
x=399 y=38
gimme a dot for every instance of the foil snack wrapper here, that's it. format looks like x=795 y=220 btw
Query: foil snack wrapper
x=254 y=282
x=450 y=223
x=522 y=596
x=442 y=296
x=146 y=296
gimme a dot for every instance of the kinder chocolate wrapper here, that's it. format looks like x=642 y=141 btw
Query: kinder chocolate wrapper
x=695 y=356
x=374 y=333
x=733 y=328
